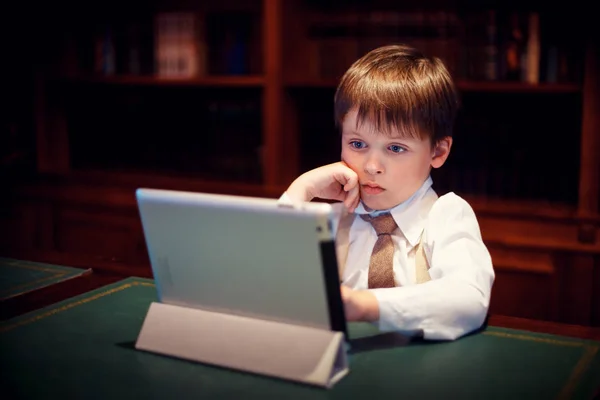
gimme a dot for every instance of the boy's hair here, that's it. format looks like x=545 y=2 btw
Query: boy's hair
x=398 y=87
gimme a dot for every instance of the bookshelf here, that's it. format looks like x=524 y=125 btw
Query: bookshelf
x=101 y=71
x=525 y=134
x=257 y=92
x=93 y=115
x=463 y=86
x=135 y=80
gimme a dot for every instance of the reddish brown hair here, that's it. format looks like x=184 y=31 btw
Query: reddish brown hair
x=398 y=87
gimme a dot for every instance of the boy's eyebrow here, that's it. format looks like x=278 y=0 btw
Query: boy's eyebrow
x=396 y=137
x=351 y=133
x=401 y=138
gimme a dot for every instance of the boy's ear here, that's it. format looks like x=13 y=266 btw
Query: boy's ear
x=441 y=151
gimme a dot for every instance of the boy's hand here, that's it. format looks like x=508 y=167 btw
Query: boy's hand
x=359 y=305
x=333 y=182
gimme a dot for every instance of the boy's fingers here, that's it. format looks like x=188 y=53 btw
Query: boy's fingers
x=351 y=183
x=352 y=198
x=355 y=203
x=341 y=178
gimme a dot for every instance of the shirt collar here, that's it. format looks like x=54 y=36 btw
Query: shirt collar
x=410 y=215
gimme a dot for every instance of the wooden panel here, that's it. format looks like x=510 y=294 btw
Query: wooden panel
x=528 y=261
x=545 y=284
x=17 y=226
x=576 y=273
x=51 y=129
x=44 y=226
x=524 y=285
x=501 y=228
x=589 y=164
x=290 y=140
x=588 y=179
x=541 y=234
x=273 y=93
x=596 y=294
x=545 y=327
x=102 y=233
x=520 y=294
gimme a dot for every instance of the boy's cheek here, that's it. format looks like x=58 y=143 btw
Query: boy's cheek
x=351 y=163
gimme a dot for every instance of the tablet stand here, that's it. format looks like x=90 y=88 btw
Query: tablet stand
x=293 y=352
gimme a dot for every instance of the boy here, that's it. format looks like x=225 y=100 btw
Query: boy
x=420 y=267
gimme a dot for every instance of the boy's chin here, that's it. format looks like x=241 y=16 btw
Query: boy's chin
x=375 y=204
x=379 y=203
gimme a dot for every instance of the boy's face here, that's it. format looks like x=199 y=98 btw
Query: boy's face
x=390 y=167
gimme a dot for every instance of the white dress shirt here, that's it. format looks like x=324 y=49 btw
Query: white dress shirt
x=456 y=299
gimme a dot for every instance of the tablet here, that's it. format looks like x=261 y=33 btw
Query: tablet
x=242 y=255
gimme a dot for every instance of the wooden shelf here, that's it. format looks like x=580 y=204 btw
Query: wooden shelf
x=510 y=208
x=308 y=83
x=527 y=209
x=116 y=188
x=148 y=80
x=517 y=87
x=465 y=86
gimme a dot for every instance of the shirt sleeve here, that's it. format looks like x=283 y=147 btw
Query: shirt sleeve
x=456 y=299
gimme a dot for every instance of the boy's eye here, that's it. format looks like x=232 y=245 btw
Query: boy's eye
x=396 y=148
x=357 y=144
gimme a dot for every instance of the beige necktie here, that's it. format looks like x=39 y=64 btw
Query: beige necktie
x=381 y=273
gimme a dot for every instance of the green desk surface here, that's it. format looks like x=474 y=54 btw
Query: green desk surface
x=18 y=277
x=83 y=348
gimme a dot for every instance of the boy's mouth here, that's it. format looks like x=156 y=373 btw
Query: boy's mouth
x=372 y=188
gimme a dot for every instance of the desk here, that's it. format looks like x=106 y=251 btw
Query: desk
x=21 y=281
x=83 y=347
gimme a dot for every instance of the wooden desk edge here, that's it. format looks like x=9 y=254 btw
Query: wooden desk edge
x=554 y=328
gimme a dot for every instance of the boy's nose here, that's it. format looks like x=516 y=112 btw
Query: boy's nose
x=373 y=166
